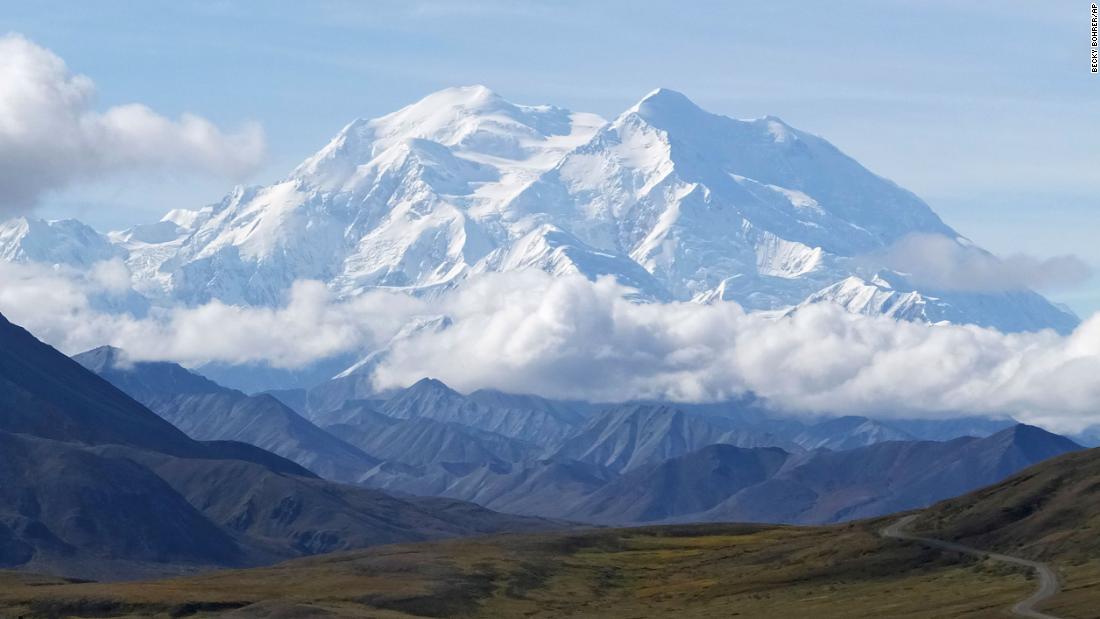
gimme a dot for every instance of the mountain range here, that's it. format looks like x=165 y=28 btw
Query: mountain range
x=671 y=200
x=94 y=484
x=725 y=483
x=614 y=464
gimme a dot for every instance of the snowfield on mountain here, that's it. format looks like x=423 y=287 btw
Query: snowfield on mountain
x=671 y=200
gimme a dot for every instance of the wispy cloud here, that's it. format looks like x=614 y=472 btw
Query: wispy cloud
x=942 y=263
x=51 y=136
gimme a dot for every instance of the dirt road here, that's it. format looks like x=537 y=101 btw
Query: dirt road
x=1048 y=580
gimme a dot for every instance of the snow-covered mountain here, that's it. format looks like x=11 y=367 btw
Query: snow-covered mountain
x=673 y=201
x=64 y=242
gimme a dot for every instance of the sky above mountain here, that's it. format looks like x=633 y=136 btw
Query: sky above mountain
x=992 y=140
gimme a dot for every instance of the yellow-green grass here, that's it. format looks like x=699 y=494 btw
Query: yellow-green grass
x=682 y=571
x=1080 y=595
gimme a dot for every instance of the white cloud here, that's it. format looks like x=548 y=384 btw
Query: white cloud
x=571 y=338
x=112 y=276
x=311 y=326
x=943 y=263
x=51 y=136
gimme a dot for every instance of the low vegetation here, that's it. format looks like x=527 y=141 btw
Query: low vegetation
x=682 y=571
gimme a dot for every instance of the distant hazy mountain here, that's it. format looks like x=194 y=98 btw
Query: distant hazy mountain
x=92 y=483
x=543 y=424
x=650 y=461
x=433 y=440
x=687 y=484
x=207 y=411
x=422 y=441
x=952 y=427
x=540 y=487
x=630 y=436
x=646 y=468
x=577 y=427
x=549 y=487
x=848 y=433
x=826 y=486
x=570 y=412
x=728 y=483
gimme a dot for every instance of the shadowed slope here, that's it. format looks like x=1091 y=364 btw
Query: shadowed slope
x=44 y=393
x=95 y=485
x=207 y=411
x=1050 y=510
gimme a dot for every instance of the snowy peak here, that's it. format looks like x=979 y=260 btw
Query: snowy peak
x=631 y=436
x=65 y=241
x=767 y=154
x=663 y=105
x=696 y=199
x=890 y=294
x=470 y=121
x=711 y=137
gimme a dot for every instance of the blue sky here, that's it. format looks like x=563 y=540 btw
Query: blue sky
x=985 y=109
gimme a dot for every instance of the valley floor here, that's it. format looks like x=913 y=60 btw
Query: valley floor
x=684 y=571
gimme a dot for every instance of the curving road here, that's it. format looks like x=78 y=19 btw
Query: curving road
x=1048 y=580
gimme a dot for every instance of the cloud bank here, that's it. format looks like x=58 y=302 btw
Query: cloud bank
x=51 y=136
x=567 y=337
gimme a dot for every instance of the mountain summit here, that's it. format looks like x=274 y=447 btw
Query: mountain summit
x=674 y=201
